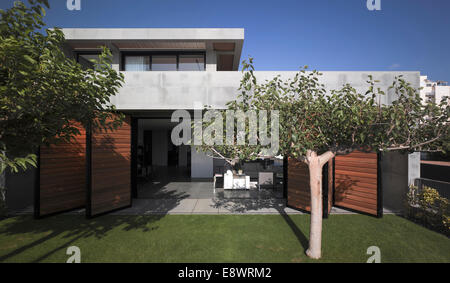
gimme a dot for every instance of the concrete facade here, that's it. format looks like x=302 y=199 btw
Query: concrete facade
x=180 y=90
x=148 y=91
x=171 y=90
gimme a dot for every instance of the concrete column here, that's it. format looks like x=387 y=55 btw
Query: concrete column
x=211 y=58
x=413 y=167
x=116 y=57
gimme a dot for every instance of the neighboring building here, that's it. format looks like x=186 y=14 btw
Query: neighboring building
x=433 y=91
x=170 y=69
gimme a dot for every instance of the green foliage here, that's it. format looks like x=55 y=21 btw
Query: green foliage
x=339 y=121
x=43 y=93
x=429 y=208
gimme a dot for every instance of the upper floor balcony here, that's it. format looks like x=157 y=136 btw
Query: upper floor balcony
x=168 y=69
x=221 y=48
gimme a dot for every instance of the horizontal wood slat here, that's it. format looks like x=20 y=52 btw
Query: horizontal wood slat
x=62 y=181
x=356 y=182
x=330 y=185
x=110 y=167
x=298 y=192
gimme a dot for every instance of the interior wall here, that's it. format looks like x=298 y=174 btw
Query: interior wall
x=201 y=165
x=159 y=147
x=182 y=156
x=140 y=135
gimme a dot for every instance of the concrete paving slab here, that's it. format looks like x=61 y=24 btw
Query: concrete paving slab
x=205 y=206
x=214 y=206
x=185 y=206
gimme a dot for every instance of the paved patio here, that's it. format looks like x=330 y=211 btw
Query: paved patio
x=213 y=206
x=199 y=197
x=201 y=206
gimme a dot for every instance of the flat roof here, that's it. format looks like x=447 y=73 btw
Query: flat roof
x=154 y=33
x=226 y=41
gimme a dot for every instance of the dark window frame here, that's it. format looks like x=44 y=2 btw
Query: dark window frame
x=123 y=54
x=78 y=53
x=85 y=52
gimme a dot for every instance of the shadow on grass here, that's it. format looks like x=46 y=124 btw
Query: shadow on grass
x=244 y=205
x=70 y=228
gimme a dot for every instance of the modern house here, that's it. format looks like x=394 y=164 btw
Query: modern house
x=170 y=69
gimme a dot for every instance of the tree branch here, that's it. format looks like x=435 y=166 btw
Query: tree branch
x=325 y=157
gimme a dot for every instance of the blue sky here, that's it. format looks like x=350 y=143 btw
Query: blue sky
x=284 y=35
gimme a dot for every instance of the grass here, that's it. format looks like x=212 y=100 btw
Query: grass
x=216 y=238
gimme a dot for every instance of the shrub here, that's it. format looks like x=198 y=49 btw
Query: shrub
x=426 y=206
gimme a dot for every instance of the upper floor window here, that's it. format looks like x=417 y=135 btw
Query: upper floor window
x=164 y=63
x=137 y=63
x=172 y=61
x=86 y=59
x=191 y=63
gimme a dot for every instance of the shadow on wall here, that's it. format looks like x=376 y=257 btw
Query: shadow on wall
x=343 y=187
x=20 y=189
x=110 y=169
x=62 y=170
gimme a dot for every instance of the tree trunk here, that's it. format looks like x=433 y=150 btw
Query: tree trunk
x=315 y=165
x=315 y=183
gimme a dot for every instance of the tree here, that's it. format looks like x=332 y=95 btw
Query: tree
x=316 y=125
x=43 y=93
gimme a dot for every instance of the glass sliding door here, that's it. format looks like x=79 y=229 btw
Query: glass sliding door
x=88 y=60
x=164 y=63
x=137 y=63
x=191 y=63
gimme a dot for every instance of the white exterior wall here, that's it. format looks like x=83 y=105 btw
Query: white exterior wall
x=182 y=156
x=201 y=164
x=180 y=90
x=435 y=92
x=441 y=92
x=426 y=91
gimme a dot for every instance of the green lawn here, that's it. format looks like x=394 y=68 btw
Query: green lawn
x=216 y=238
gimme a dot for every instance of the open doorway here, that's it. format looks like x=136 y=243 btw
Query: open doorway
x=159 y=161
x=166 y=171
